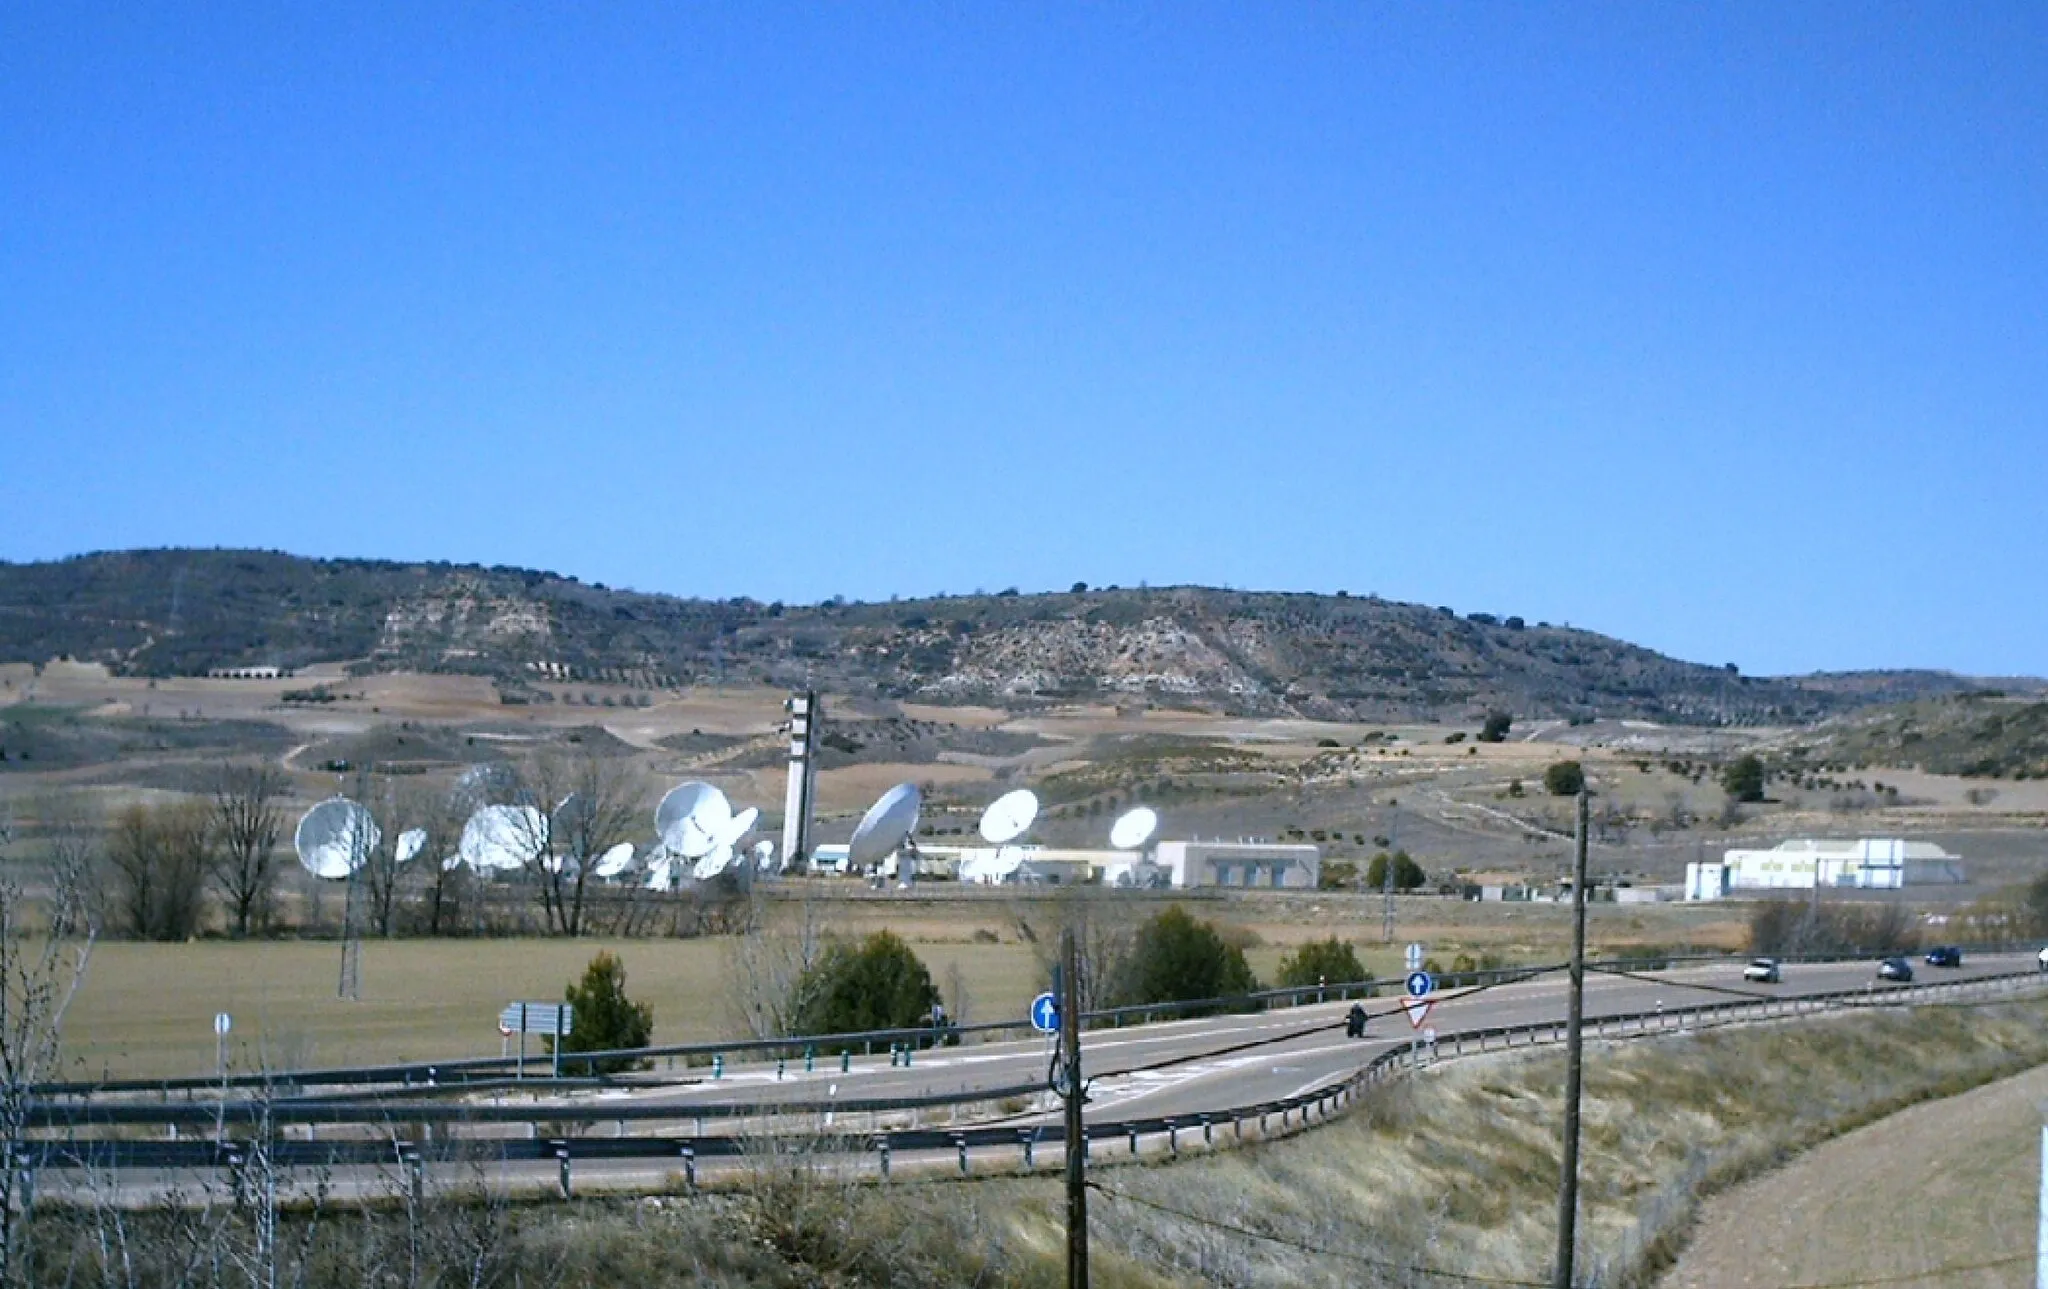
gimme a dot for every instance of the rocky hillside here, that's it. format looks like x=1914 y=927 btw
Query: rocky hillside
x=185 y=612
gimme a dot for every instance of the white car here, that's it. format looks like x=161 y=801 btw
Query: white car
x=2044 y=959
x=1763 y=971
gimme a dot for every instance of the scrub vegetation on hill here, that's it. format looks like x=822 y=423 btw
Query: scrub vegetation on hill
x=1983 y=735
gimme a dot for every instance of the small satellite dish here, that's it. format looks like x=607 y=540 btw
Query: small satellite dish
x=1133 y=828
x=764 y=856
x=1009 y=815
x=409 y=843
x=690 y=817
x=614 y=861
x=335 y=838
x=886 y=827
x=661 y=874
x=503 y=837
x=737 y=827
x=714 y=864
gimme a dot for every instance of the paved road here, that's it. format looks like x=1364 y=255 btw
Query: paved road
x=1188 y=1067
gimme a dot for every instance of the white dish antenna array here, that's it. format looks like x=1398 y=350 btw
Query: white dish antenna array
x=409 y=843
x=335 y=838
x=690 y=819
x=724 y=845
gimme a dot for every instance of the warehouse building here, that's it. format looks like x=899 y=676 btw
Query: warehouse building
x=1803 y=863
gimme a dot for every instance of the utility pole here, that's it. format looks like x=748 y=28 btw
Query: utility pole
x=1072 y=1088
x=1574 y=1060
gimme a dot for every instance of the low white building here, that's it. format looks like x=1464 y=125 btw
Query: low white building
x=1240 y=863
x=1802 y=863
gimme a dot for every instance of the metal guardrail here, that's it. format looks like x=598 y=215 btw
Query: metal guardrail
x=470 y=1069
x=1294 y=1111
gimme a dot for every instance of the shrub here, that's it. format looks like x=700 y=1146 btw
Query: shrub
x=605 y=1020
x=1175 y=958
x=1564 y=779
x=1496 y=728
x=878 y=983
x=1408 y=874
x=1337 y=875
x=1744 y=778
x=1330 y=961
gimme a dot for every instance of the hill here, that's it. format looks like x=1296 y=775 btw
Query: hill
x=182 y=612
x=1988 y=734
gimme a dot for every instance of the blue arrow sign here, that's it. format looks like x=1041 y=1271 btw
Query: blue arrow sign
x=1045 y=1014
x=1419 y=984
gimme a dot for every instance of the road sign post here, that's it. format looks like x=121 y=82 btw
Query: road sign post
x=222 y=1023
x=1420 y=984
x=1045 y=1014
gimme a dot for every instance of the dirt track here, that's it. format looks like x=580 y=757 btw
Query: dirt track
x=1946 y=1185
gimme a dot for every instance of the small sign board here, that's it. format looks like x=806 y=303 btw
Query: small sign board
x=1418 y=1010
x=1415 y=957
x=1429 y=1035
x=1420 y=984
x=537 y=1018
x=222 y=1023
x=1045 y=1014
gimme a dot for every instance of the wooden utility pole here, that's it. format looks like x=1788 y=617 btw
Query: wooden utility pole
x=1071 y=1088
x=1574 y=1060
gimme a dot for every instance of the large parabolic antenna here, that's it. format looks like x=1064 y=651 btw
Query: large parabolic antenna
x=481 y=784
x=1133 y=828
x=886 y=827
x=690 y=819
x=335 y=838
x=1009 y=815
x=503 y=837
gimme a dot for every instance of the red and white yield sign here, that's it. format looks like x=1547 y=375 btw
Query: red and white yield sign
x=1418 y=1010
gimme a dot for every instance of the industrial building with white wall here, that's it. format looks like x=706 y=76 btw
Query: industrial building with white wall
x=1804 y=863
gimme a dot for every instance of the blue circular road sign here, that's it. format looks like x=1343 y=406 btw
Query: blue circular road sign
x=1419 y=984
x=1045 y=1014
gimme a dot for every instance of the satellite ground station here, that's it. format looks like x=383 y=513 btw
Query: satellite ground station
x=806 y=715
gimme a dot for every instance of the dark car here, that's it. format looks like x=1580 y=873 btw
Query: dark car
x=1944 y=955
x=1895 y=969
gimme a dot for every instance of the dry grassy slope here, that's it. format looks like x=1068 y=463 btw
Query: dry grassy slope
x=179 y=612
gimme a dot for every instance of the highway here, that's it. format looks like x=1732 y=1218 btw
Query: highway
x=1191 y=1067
x=1179 y=1070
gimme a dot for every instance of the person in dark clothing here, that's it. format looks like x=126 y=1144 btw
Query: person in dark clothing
x=1354 y=1021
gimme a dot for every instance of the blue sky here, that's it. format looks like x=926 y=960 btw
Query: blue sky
x=1720 y=328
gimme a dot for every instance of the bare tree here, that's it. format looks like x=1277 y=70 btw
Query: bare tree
x=1105 y=932
x=160 y=857
x=248 y=820
x=42 y=963
x=580 y=806
x=767 y=966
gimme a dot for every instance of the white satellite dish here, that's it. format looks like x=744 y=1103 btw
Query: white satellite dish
x=1133 y=828
x=482 y=784
x=886 y=827
x=614 y=861
x=690 y=818
x=335 y=838
x=735 y=828
x=1009 y=815
x=712 y=865
x=764 y=856
x=661 y=874
x=409 y=843
x=503 y=837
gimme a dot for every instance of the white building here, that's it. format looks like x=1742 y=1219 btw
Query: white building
x=1240 y=863
x=1802 y=863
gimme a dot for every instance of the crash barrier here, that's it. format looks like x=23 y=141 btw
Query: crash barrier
x=474 y=1073
x=548 y=1142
